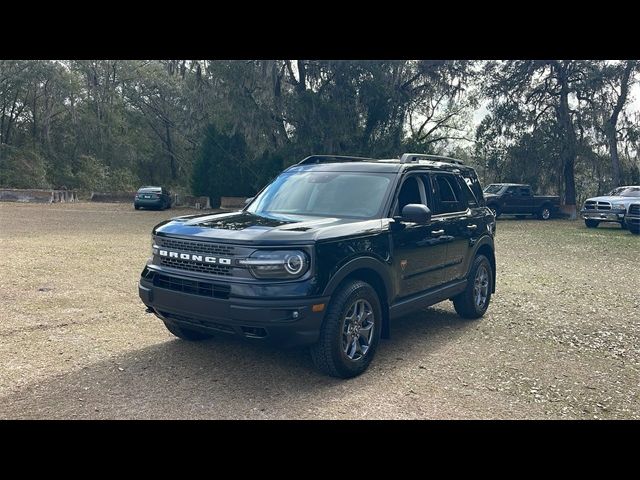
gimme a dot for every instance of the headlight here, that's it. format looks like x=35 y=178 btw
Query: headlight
x=619 y=206
x=283 y=264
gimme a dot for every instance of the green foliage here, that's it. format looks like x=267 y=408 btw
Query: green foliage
x=22 y=168
x=116 y=124
x=222 y=168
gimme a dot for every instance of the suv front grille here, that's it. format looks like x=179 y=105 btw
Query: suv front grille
x=196 y=267
x=634 y=209
x=199 y=247
x=204 y=289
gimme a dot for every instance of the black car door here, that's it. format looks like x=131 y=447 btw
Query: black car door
x=418 y=250
x=510 y=200
x=456 y=225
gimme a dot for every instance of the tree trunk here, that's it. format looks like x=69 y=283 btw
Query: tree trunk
x=568 y=148
x=612 y=124
x=172 y=157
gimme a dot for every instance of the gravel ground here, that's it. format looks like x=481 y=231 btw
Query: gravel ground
x=560 y=339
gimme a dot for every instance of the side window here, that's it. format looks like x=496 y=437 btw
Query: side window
x=412 y=191
x=449 y=194
x=512 y=190
x=468 y=198
x=525 y=191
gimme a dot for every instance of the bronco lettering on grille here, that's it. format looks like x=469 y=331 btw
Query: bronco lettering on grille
x=194 y=258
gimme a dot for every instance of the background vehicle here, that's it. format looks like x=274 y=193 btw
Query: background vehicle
x=518 y=199
x=327 y=255
x=632 y=218
x=611 y=207
x=152 y=197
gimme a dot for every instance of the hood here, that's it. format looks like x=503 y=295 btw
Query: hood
x=615 y=199
x=244 y=227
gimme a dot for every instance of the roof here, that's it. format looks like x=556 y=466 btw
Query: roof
x=408 y=161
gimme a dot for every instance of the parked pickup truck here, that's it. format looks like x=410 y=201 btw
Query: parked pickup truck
x=611 y=207
x=632 y=219
x=518 y=199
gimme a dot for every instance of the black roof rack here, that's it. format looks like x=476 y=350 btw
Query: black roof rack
x=405 y=158
x=415 y=157
x=331 y=158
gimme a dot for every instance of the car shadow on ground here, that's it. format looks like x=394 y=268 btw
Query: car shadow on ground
x=224 y=377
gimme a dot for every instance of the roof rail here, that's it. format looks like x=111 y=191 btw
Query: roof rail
x=414 y=157
x=330 y=158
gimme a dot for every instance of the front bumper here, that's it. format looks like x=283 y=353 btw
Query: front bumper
x=603 y=215
x=285 y=322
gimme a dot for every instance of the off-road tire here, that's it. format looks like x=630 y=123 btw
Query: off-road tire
x=591 y=223
x=465 y=303
x=327 y=354
x=186 y=333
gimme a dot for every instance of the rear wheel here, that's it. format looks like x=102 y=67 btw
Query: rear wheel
x=474 y=301
x=186 y=333
x=544 y=213
x=591 y=223
x=350 y=332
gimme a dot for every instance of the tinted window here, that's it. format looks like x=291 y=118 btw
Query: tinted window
x=448 y=194
x=512 y=190
x=525 y=191
x=468 y=198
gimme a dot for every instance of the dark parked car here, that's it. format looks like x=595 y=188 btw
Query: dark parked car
x=327 y=255
x=152 y=197
x=632 y=219
x=611 y=207
x=518 y=199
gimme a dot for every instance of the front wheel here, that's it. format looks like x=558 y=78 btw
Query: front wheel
x=350 y=331
x=591 y=223
x=474 y=301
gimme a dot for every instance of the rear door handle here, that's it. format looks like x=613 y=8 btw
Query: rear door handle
x=437 y=233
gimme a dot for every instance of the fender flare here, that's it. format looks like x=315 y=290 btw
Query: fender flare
x=370 y=263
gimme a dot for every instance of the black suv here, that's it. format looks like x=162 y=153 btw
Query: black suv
x=326 y=255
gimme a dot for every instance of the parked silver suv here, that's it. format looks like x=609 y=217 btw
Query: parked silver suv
x=609 y=208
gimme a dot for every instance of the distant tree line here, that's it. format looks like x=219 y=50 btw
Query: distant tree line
x=225 y=128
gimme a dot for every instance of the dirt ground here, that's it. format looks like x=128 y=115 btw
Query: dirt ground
x=561 y=338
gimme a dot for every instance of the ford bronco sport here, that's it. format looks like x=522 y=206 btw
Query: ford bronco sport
x=327 y=255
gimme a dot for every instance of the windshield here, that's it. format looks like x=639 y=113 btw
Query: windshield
x=494 y=188
x=625 y=192
x=335 y=194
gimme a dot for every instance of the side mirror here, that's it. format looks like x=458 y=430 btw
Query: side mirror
x=248 y=200
x=416 y=213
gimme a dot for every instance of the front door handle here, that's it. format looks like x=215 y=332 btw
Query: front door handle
x=437 y=233
x=472 y=227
